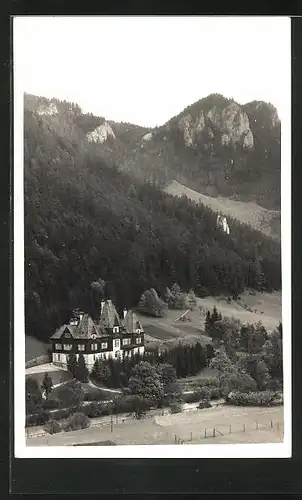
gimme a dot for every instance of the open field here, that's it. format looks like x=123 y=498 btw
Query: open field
x=250 y=308
x=34 y=348
x=162 y=429
x=266 y=221
x=58 y=374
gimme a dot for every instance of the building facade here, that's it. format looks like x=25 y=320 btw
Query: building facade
x=109 y=336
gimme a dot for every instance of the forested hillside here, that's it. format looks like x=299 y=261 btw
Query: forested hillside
x=85 y=219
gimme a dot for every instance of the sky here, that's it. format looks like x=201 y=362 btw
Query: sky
x=145 y=70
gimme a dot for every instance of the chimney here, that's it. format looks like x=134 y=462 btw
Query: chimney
x=125 y=312
x=102 y=305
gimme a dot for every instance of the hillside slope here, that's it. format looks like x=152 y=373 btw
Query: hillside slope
x=85 y=220
x=261 y=219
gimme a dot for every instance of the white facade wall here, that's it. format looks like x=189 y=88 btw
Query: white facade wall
x=60 y=359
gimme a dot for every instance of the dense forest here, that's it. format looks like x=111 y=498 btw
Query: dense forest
x=85 y=220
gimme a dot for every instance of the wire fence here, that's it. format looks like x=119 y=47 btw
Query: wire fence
x=225 y=430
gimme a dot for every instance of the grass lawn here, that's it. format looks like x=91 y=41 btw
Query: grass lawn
x=57 y=376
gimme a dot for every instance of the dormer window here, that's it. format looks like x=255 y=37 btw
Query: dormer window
x=116 y=329
x=138 y=330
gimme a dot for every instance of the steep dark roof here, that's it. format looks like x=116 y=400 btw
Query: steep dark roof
x=84 y=330
x=109 y=316
x=131 y=322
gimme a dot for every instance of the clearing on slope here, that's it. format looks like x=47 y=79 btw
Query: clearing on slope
x=266 y=221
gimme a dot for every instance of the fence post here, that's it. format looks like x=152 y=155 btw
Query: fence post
x=230 y=429
x=214 y=432
x=278 y=425
x=191 y=437
x=271 y=424
x=256 y=424
x=205 y=433
x=111 y=423
x=243 y=427
x=175 y=439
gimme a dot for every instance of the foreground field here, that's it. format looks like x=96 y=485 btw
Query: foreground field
x=257 y=425
x=250 y=308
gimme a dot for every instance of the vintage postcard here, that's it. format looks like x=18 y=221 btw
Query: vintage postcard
x=152 y=236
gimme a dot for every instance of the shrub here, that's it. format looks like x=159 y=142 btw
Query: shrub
x=204 y=403
x=52 y=427
x=205 y=393
x=96 y=409
x=51 y=403
x=176 y=407
x=265 y=398
x=241 y=382
x=77 y=421
x=97 y=395
x=70 y=394
x=210 y=382
x=192 y=397
x=39 y=418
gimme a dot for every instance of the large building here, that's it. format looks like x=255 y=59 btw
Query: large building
x=109 y=336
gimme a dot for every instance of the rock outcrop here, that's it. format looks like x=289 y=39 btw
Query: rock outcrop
x=101 y=133
x=47 y=109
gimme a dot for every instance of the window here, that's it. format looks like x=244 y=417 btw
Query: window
x=116 y=354
x=94 y=357
x=59 y=357
x=138 y=340
x=81 y=347
x=104 y=345
x=58 y=346
x=67 y=335
x=117 y=343
x=94 y=347
x=115 y=329
x=67 y=347
x=126 y=341
x=138 y=330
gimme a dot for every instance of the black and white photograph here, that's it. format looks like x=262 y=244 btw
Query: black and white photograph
x=152 y=236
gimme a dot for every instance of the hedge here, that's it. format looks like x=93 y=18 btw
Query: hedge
x=261 y=398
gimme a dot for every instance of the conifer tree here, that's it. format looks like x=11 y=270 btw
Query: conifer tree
x=208 y=323
x=47 y=385
x=82 y=371
x=72 y=364
x=100 y=371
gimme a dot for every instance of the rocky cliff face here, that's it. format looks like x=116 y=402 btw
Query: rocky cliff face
x=101 y=133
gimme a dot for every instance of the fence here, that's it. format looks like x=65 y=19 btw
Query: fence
x=40 y=360
x=225 y=430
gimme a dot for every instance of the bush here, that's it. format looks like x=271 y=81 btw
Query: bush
x=77 y=421
x=205 y=393
x=97 y=395
x=51 y=403
x=39 y=418
x=176 y=407
x=204 y=403
x=52 y=427
x=192 y=397
x=130 y=404
x=241 y=382
x=211 y=382
x=265 y=398
x=95 y=409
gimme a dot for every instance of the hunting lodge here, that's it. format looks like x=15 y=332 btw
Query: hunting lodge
x=109 y=336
